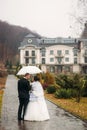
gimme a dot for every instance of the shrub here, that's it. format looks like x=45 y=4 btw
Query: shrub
x=79 y=84
x=63 y=93
x=64 y=81
x=84 y=94
x=45 y=86
x=51 y=89
x=49 y=78
x=74 y=93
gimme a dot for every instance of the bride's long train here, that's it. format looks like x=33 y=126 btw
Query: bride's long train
x=37 y=111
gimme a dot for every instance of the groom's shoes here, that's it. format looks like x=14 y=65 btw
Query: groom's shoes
x=22 y=119
x=19 y=119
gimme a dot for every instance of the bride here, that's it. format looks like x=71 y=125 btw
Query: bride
x=37 y=108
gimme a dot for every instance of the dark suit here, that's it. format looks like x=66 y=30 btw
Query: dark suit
x=23 y=94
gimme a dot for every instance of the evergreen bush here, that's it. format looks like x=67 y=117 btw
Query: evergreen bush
x=64 y=81
x=63 y=93
x=51 y=89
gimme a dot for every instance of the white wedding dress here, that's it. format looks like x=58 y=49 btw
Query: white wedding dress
x=37 y=108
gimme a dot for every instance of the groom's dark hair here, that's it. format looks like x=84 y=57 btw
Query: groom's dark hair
x=26 y=74
x=36 y=78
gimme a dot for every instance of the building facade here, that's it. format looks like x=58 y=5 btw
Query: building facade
x=56 y=55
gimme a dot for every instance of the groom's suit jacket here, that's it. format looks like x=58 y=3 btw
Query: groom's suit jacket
x=23 y=88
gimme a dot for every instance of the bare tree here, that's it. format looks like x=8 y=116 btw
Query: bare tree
x=10 y=38
x=78 y=17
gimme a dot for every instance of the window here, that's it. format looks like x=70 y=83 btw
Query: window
x=59 y=59
x=26 y=60
x=43 y=60
x=26 y=53
x=59 y=68
x=67 y=59
x=75 y=52
x=33 y=60
x=66 y=51
x=59 y=52
x=75 y=60
x=43 y=51
x=85 y=59
x=52 y=69
x=33 y=53
x=51 y=59
x=67 y=68
x=51 y=52
x=85 y=52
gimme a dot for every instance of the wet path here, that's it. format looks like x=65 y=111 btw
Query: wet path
x=60 y=120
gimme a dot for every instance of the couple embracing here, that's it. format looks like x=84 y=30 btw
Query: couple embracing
x=32 y=105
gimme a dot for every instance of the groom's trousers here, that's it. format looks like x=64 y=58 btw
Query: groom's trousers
x=23 y=102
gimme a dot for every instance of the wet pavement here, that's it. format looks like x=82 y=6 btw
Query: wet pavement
x=59 y=119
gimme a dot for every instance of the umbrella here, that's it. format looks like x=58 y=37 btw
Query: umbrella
x=29 y=69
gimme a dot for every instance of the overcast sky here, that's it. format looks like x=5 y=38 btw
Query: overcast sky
x=49 y=18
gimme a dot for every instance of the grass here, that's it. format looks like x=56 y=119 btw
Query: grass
x=70 y=105
x=1 y=96
x=2 y=85
x=2 y=82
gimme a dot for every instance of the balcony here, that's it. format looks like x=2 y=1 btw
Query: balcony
x=30 y=56
x=60 y=63
x=59 y=55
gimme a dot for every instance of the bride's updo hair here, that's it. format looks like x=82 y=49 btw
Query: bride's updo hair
x=36 y=78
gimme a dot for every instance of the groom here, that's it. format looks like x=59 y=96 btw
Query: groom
x=23 y=94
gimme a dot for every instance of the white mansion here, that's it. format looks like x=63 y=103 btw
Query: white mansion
x=57 y=55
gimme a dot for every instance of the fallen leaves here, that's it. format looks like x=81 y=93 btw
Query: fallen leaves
x=78 y=109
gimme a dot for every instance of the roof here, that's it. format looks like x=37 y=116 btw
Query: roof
x=59 y=40
x=51 y=41
x=30 y=35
